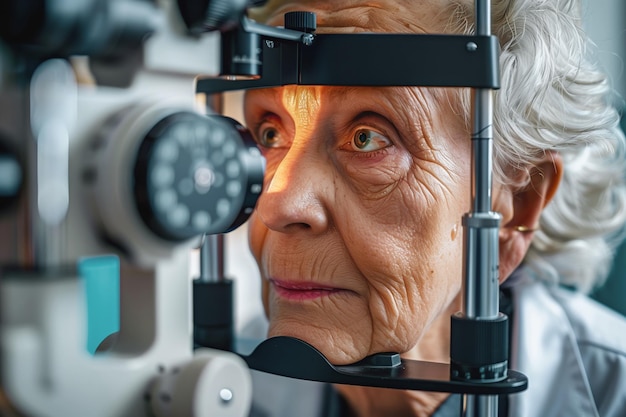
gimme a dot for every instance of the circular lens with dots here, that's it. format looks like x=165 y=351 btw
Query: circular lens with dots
x=196 y=174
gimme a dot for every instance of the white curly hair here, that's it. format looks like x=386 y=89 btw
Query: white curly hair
x=554 y=97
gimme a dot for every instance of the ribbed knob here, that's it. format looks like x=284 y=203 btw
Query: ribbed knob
x=301 y=21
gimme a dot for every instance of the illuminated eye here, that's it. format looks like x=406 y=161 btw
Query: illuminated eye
x=366 y=140
x=269 y=137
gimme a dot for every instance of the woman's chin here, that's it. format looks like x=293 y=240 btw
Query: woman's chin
x=338 y=347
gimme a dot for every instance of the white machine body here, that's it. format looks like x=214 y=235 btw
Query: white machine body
x=80 y=143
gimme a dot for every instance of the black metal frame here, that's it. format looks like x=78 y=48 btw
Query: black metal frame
x=374 y=60
x=425 y=60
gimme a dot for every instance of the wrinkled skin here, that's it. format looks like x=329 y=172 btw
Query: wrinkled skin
x=379 y=225
x=358 y=231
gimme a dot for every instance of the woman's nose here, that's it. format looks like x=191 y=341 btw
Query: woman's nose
x=294 y=200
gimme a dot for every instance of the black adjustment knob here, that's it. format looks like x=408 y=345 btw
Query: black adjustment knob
x=207 y=15
x=479 y=349
x=301 y=21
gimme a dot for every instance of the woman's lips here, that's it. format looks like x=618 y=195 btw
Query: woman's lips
x=302 y=291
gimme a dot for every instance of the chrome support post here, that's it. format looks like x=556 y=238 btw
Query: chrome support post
x=481 y=258
x=212 y=258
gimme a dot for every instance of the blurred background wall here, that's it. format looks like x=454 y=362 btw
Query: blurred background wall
x=605 y=21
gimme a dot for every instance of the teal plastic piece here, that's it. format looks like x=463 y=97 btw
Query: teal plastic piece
x=101 y=277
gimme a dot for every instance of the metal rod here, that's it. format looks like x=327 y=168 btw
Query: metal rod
x=250 y=26
x=481 y=226
x=212 y=259
x=481 y=266
x=480 y=405
x=482 y=135
x=482 y=14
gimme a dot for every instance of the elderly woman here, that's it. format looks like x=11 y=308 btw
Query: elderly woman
x=358 y=233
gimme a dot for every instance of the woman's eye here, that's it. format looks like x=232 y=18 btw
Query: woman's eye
x=269 y=137
x=366 y=140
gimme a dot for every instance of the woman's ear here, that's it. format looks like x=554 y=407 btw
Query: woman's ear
x=521 y=210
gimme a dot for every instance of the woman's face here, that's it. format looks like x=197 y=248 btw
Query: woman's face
x=358 y=231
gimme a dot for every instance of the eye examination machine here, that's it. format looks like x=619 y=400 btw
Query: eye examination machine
x=112 y=143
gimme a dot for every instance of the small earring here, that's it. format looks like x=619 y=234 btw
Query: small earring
x=524 y=229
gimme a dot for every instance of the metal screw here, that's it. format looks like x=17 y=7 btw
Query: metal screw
x=471 y=46
x=226 y=395
x=307 y=39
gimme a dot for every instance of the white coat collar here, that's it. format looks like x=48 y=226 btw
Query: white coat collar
x=545 y=349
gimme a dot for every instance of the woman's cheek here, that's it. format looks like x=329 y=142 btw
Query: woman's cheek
x=256 y=235
x=273 y=158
